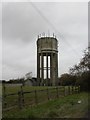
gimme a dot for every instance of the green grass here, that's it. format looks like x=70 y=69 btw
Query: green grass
x=66 y=107
x=14 y=89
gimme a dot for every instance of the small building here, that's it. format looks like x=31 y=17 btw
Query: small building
x=30 y=82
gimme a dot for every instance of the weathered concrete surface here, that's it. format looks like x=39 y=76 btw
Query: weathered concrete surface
x=47 y=48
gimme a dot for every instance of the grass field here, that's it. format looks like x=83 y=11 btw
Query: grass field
x=65 y=107
x=14 y=89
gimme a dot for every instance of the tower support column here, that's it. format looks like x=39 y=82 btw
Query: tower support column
x=42 y=68
x=38 y=69
x=47 y=69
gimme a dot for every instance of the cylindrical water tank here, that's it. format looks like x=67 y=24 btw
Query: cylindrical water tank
x=47 y=43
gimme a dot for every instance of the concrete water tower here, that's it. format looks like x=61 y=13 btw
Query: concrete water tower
x=47 y=61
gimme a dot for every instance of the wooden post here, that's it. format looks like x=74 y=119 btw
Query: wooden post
x=21 y=88
x=57 y=92
x=72 y=89
x=4 y=88
x=47 y=93
x=68 y=90
x=19 y=100
x=75 y=89
x=23 y=102
x=78 y=89
x=22 y=96
x=36 y=99
x=64 y=91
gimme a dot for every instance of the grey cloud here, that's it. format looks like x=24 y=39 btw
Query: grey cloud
x=20 y=20
x=22 y=23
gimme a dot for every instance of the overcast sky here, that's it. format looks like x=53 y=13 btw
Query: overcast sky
x=22 y=22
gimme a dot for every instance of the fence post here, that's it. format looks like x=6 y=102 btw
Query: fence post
x=48 y=93
x=23 y=102
x=64 y=91
x=72 y=89
x=21 y=88
x=57 y=92
x=36 y=99
x=22 y=96
x=78 y=89
x=68 y=90
x=19 y=100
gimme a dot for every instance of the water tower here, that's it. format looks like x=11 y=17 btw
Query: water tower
x=47 y=61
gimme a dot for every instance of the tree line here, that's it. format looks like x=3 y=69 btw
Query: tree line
x=79 y=74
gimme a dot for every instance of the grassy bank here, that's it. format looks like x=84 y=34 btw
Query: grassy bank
x=66 y=107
